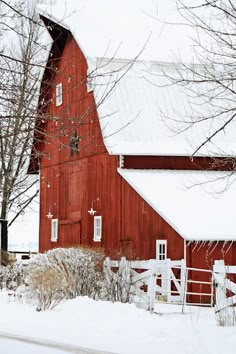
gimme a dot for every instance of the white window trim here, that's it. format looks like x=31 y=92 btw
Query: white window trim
x=97 y=229
x=161 y=255
x=59 y=94
x=54 y=230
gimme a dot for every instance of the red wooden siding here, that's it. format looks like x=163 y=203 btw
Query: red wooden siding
x=200 y=255
x=77 y=111
x=130 y=225
x=142 y=225
x=177 y=163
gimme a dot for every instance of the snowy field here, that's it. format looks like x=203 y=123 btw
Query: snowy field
x=114 y=327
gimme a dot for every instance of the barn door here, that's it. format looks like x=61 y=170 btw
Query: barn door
x=70 y=233
x=71 y=195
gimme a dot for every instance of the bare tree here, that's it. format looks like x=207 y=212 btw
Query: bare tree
x=19 y=89
x=209 y=80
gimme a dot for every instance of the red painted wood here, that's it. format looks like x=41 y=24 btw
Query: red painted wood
x=203 y=256
x=177 y=163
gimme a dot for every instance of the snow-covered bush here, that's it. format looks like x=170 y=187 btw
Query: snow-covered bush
x=64 y=273
x=47 y=286
x=118 y=283
x=11 y=277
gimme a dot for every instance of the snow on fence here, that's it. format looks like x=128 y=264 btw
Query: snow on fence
x=152 y=281
x=225 y=292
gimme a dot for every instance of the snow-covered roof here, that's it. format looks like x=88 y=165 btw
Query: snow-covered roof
x=142 y=113
x=120 y=29
x=197 y=204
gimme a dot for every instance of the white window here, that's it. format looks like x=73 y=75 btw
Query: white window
x=59 y=94
x=97 y=232
x=54 y=230
x=161 y=250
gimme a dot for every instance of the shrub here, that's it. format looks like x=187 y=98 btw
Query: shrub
x=64 y=273
x=48 y=287
x=11 y=277
x=118 y=284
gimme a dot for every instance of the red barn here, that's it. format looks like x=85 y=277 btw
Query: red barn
x=112 y=173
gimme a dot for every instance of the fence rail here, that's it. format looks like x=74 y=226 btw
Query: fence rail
x=153 y=281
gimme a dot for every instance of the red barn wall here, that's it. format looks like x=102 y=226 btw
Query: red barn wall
x=69 y=185
x=144 y=226
x=202 y=255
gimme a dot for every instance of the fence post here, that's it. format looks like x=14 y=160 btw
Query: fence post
x=167 y=279
x=184 y=287
x=183 y=280
x=212 y=288
x=106 y=263
x=151 y=292
x=122 y=265
x=220 y=289
x=122 y=270
x=107 y=268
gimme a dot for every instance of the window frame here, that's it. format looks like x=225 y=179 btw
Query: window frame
x=54 y=230
x=161 y=250
x=97 y=229
x=59 y=94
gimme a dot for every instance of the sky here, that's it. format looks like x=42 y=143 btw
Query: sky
x=24 y=232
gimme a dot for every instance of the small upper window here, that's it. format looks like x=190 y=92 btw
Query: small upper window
x=161 y=250
x=59 y=94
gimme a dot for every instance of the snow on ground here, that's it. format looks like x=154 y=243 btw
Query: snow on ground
x=120 y=328
x=10 y=347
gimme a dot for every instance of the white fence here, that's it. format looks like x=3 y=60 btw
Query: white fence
x=152 y=281
x=225 y=289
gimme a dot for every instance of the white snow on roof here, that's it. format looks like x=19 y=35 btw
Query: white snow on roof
x=197 y=204
x=119 y=29
x=142 y=112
